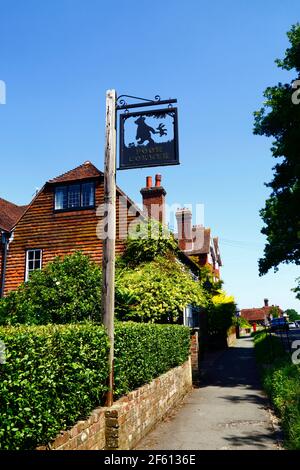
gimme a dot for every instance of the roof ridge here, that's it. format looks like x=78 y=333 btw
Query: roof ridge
x=86 y=164
x=9 y=202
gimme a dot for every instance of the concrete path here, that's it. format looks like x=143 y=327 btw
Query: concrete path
x=228 y=411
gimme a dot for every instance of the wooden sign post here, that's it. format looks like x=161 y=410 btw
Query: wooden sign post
x=162 y=151
x=109 y=239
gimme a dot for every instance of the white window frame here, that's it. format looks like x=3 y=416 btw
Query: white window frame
x=80 y=206
x=27 y=271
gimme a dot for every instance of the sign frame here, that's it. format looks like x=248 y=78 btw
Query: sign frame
x=123 y=165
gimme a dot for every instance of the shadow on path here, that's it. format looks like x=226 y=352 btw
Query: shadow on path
x=227 y=411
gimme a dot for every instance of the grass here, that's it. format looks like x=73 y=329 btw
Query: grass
x=281 y=380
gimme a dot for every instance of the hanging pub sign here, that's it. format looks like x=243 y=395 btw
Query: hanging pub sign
x=149 y=138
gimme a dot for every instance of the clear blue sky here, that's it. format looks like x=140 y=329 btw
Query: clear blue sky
x=58 y=58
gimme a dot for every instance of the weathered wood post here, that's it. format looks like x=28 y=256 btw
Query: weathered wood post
x=109 y=232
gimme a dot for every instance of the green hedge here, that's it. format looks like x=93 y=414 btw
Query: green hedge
x=55 y=375
x=144 y=351
x=281 y=380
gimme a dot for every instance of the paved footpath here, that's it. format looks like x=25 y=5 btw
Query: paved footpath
x=228 y=411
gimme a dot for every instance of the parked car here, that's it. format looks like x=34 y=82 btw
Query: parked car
x=279 y=324
x=292 y=325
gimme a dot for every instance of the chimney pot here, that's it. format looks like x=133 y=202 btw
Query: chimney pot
x=266 y=301
x=148 y=181
x=154 y=199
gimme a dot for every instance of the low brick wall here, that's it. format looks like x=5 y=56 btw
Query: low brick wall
x=84 y=435
x=194 y=350
x=131 y=417
x=134 y=415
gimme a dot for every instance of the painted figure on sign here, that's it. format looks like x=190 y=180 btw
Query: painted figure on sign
x=144 y=131
x=162 y=129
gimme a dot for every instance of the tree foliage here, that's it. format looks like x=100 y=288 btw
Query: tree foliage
x=297 y=288
x=280 y=118
x=148 y=240
x=292 y=314
x=274 y=311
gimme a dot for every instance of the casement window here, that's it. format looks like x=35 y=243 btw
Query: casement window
x=33 y=262
x=75 y=196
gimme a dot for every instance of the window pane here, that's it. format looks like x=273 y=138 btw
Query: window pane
x=88 y=194
x=74 y=196
x=37 y=264
x=34 y=261
x=61 y=198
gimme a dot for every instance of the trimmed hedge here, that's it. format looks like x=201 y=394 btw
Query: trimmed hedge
x=281 y=380
x=55 y=375
x=144 y=351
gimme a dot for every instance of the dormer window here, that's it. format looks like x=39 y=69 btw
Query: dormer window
x=75 y=196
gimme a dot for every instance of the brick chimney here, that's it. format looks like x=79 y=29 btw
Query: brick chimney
x=184 y=229
x=154 y=199
x=266 y=301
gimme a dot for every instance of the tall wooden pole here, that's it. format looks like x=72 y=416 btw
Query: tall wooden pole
x=109 y=241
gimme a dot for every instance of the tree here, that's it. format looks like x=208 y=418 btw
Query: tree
x=297 y=288
x=292 y=314
x=280 y=118
x=274 y=311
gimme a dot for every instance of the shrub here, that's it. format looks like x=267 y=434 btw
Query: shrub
x=144 y=351
x=66 y=290
x=221 y=313
x=156 y=291
x=152 y=284
x=281 y=380
x=53 y=376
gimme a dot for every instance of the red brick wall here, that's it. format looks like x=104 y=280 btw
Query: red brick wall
x=195 y=350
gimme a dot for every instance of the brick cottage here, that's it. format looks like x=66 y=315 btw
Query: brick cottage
x=66 y=215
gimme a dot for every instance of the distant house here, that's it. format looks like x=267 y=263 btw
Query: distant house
x=259 y=315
